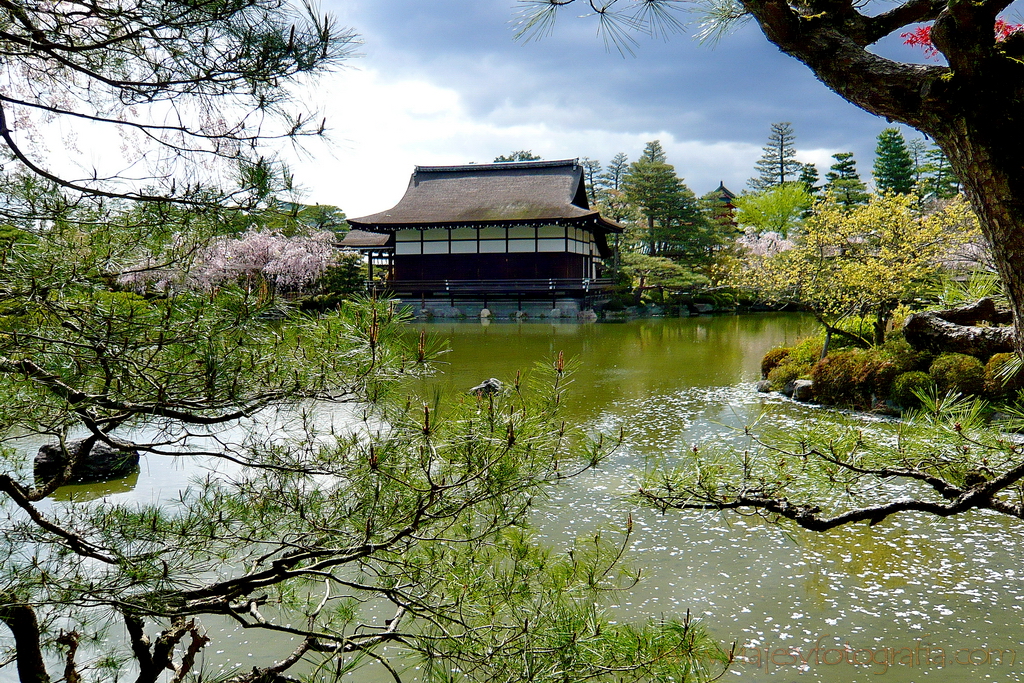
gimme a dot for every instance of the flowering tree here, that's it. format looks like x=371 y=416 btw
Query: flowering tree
x=863 y=261
x=265 y=256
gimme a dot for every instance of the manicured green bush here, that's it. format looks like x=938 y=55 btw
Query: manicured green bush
x=958 y=372
x=772 y=359
x=785 y=373
x=839 y=377
x=904 y=386
x=807 y=351
x=884 y=373
x=996 y=384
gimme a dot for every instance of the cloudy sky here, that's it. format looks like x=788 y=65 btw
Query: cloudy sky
x=444 y=82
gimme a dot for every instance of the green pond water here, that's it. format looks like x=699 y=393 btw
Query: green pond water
x=915 y=599
x=910 y=600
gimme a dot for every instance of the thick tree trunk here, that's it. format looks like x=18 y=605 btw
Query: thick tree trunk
x=956 y=330
x=973 y=108
x=21 y=619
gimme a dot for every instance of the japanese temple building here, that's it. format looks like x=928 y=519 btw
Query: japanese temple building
x=516 y=231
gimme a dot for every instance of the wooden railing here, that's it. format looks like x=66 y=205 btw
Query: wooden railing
x=497 y=287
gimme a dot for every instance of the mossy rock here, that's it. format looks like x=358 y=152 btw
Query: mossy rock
x=807 y=351
x=772 y=359
x=997 y=385
x=840 y=378
x=785 y=373
x=958 y=372
x=904 y=386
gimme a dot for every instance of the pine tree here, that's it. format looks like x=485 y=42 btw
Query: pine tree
x=591 y=169
x=844 y=183
x=652 y=186
x=894 y=167
x=810 y=178
x=918 y=148
x=939 y=182
x=654 y=152
x=615 y=171
x=778 y=163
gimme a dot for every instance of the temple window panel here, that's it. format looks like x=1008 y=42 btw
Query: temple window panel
x=521 y=232
x=492 y=246
x=551 y=231
x=492 y=233
x=522 y=245
x=436 y=235
x=464 y=234
x=464 y=247
x=436 y=247
x=551 y=244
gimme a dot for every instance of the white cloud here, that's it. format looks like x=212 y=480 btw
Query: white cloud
x=382 y=128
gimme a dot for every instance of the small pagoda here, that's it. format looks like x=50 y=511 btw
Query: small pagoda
x=508 y=230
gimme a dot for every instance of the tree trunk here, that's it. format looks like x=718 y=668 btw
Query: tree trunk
x=955 y=330
x=973 y=108
x=21 y=619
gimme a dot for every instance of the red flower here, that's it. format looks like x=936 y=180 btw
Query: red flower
x=922 y=36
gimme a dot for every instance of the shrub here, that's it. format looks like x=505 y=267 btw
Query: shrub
x=807 y=351
x=958 y=372
x=997 y=385
x=614 y=305
x=904 y=386
x=904 y=356
x=886 y=370
x=785 y=373
x=839 y=378
x=772 y=359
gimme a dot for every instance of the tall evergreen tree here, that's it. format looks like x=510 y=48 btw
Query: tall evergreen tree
x=844 y=183
x=652 y=186
x=615 y=172
x=591 y=176
x=809 y=178
x=940 y=181
x=778 y=163
x=894 y=167
x=918 y=148
x=654 y=152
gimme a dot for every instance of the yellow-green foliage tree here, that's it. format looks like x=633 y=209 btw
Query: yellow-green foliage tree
x=861 y=262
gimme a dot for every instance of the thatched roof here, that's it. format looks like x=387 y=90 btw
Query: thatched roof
x=515 y=193
x=360 y=239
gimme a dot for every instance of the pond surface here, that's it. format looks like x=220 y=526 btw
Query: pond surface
x=913 y=599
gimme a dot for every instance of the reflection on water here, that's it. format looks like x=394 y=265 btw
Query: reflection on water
x=79 y=493
x=911 y=600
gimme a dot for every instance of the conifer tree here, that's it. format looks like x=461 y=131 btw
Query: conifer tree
x=778 y=163
x=844 y=183
x=591 y=169
x=894 y=167
x=518 y=155
x=809 y=177
x=918 y=148
x=940 y=181
x=652 y=186
x=615 y=172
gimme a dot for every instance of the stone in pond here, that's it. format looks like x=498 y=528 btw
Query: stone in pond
x=103 y=462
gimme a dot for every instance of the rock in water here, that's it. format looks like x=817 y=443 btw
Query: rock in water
x=803 y=390
x=103 y=463
x=488 y=386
